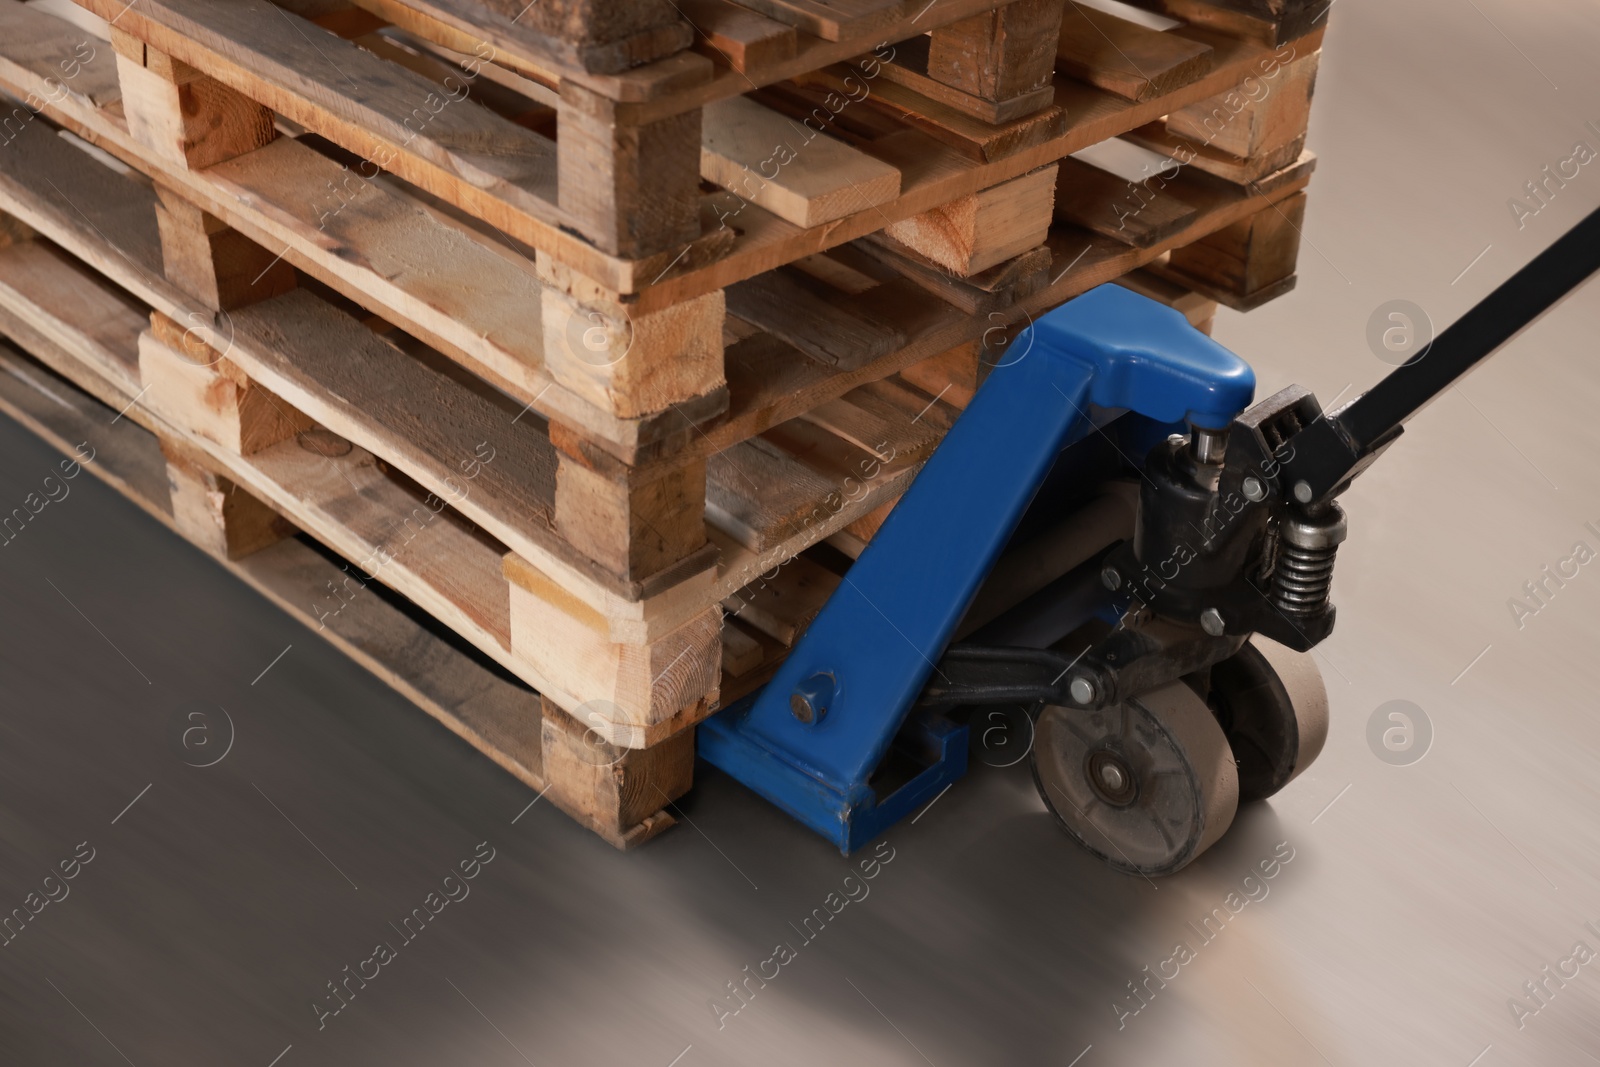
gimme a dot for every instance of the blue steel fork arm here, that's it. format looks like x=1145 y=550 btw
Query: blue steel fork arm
x=810 y=740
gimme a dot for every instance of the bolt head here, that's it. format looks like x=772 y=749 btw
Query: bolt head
x=801 y=708
x=1211 y=622
x=1082 y=690
x=1110 y=578
x=1112 y=778
x=1254 y=491
x=1302 y=492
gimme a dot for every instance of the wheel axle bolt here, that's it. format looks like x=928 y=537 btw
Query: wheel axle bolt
x=1254 y=491
x=1112 y=778
x=1211 y=622
x=1110 y=578
x=1082 y=690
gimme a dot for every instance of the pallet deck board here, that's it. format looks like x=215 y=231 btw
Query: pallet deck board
x=64 y=62
x=735 y=36
x=546 y=44
x=1125 y=58
x=390 y=115
x=832 y=20
x=802 y=176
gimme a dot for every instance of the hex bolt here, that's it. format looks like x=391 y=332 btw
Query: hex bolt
x=1302 y=492
x=810 y=699
x=1082 y=690
x=1211 y=622
x=1254 y=491
x=1110 y=578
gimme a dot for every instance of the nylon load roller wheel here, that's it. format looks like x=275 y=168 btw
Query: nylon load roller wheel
x=1273 y=709
x=1146 y=785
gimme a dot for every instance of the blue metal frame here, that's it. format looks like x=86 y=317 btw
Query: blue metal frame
x=868 y=654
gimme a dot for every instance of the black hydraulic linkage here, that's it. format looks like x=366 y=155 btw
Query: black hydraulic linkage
x=1237 y=530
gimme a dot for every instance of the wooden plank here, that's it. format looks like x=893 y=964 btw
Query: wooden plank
x=955 y=127
x=1136 y=213
x=821 y=325
x=1258 y=117
x=1159 y=138
x=595 y=36
x=832 y=20
x=62 y=58
x=35 y=276
x=213 y=262
x=631 y=189
x=611 y=790
x=910 y=69
x=978 y=231
x=1246 y=263
x=1000 y=55
x=736 y=37
x=952 y=376
x=182 y=114
x=633 y=695
x=760 y=495
x=400 y=120
x=1267 y=22
x=784 y=605
x=741 y=653
x=794 y=171
x=93 y=26
x=1122 y=57
x=194 y=386
x=634 y=363
x=995 y=289
x=211 y=511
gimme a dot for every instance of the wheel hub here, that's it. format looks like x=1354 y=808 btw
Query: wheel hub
x=1111 y=777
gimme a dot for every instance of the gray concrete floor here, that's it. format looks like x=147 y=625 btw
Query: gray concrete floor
x=1418 y=901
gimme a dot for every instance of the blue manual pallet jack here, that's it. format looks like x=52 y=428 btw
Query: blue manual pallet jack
x=1168 y=671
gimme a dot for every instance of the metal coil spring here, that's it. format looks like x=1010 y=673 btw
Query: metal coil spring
x=1302 y=577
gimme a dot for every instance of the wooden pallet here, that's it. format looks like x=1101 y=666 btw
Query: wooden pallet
x=590 y=524
x=622 y=795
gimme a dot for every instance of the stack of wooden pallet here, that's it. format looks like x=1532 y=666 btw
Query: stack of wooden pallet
x=601 y=333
